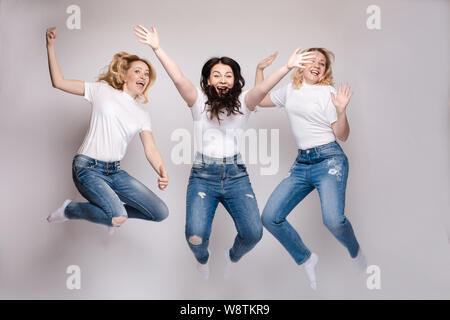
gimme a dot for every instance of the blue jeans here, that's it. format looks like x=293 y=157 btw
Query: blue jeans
x=324 y=168
x=111 y=193
x=223 y=180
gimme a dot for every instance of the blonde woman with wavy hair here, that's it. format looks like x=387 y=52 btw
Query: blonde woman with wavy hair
x=317 y=114
x=119 y=112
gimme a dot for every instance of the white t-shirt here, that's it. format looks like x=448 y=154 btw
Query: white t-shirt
x=115 y=119
x=310 y=111
x=216 y=140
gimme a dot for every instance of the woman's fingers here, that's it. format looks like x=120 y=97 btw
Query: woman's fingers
x=140 y=33
x=51 y=32
x=347 y=90
x=143 y=28
x=297 y=51
x=140 y=36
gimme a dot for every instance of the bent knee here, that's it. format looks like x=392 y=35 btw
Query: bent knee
x=162 y=214
x=335 y=224
x=254 y=235
x=268 y=218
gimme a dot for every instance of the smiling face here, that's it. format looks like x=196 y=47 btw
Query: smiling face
x=315 y=71
x=221 y=78
x=136 y=78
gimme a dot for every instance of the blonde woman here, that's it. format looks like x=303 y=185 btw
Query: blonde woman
x=317 y=114
x=118 y=112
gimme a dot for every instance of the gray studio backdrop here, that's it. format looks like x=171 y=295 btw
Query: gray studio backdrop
x=397 y=196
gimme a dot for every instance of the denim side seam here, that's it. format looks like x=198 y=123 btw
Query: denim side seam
x=282 y=226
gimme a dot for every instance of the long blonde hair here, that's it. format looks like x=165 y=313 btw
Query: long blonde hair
x=326 y=79
x=118 y=68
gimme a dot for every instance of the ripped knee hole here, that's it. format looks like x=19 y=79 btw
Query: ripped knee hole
x=195 y=240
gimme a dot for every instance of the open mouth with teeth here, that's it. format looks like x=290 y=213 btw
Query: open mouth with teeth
x=222 y=89
x=140 y=85
x=315 y=73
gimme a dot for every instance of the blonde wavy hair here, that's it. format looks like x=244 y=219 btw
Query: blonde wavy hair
x=118 y=68
x=326 y=79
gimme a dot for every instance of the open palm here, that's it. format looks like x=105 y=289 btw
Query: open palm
x=147 y=37
x=342 y=98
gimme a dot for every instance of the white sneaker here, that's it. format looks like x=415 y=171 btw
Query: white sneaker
x=58 y=216
x=204 y=268
x=112 y=230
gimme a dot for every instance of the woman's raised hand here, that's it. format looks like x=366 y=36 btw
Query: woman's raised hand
x=342 y=98
x=147 y=37
x=267 y=61
x=51 y=35
x=298 y=60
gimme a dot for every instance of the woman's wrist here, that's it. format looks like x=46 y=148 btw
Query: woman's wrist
x=286 y=68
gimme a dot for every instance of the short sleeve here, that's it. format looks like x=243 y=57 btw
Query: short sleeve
x=242 y=100
x=91 y=89
x=199 y=104
x=278 y=97
x=330 y=109
x=146 y=123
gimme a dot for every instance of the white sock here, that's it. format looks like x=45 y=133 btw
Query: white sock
x=310 y=266
x=59 y=216
x=228 y=265
x=112 y=230
x=359 y=262
x=204 y=269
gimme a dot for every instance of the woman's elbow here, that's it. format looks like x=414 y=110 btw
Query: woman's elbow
x=343 y=138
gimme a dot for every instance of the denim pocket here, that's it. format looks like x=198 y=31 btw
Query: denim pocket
x=81 y=163
x=241 y=167
x=331 y=151
x=199 y=166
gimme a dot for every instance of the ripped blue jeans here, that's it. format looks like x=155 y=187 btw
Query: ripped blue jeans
x=324 y=168
x=223 y=180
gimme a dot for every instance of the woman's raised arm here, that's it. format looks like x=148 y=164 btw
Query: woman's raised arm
x=56 y=76
x=259 y=92
x=185 y=87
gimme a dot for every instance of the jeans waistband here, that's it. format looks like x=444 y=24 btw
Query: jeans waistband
x=318 y=149
x=202 y=158
x=98 y=163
